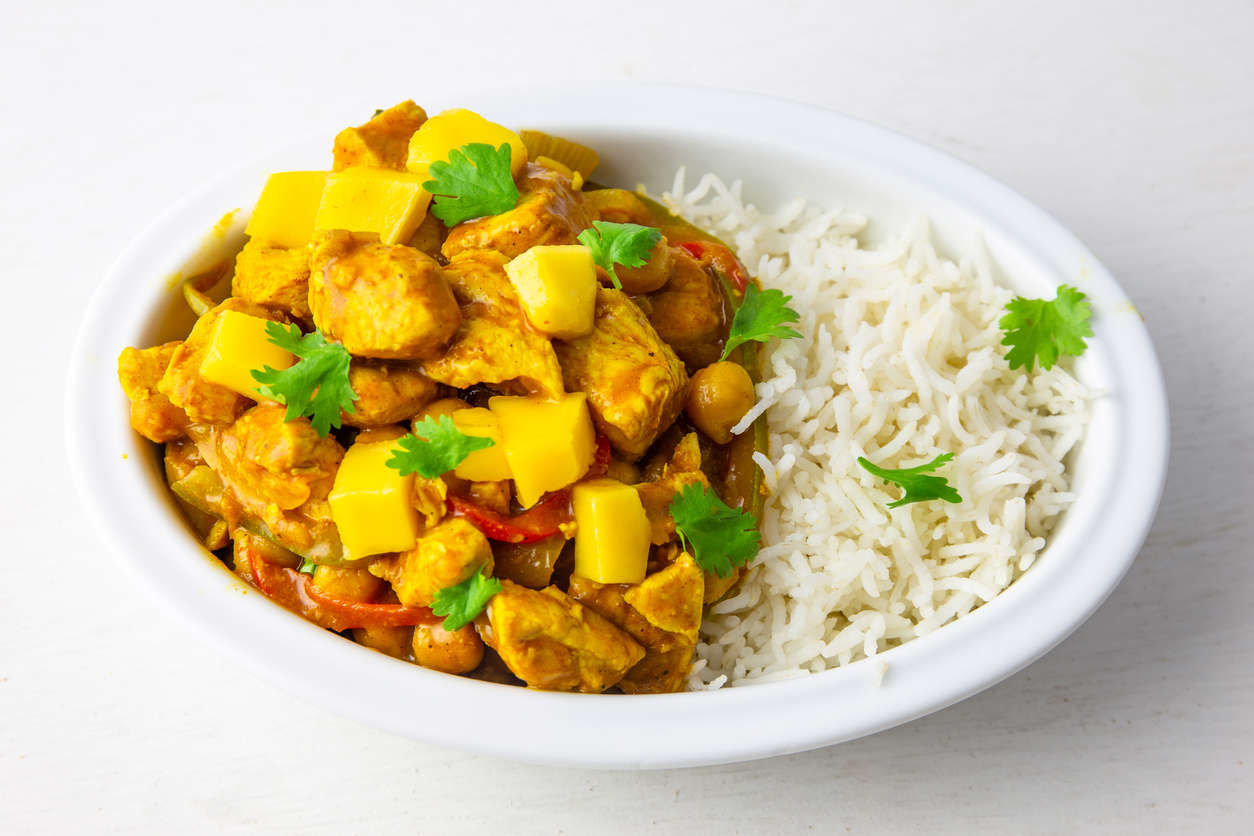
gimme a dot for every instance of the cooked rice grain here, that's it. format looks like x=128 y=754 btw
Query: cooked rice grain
x=901 y=361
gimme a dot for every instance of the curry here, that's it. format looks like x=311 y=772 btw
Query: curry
x=467 y=408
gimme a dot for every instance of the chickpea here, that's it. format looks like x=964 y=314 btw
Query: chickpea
x=444 y=406
x=349 y=584
x=394 y=641
x=718 y=397
x=460 y=651
x=651 y=275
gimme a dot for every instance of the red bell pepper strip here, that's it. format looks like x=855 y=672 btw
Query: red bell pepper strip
x=298 y=593
x=712 y=252
x=544 y=519
x=600 y=459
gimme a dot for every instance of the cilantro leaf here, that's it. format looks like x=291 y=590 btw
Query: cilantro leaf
x=717 y=536
x=475 y=181
x=316 y=386
x=919 y=486
x=625 y=244
x=761 y=315
x=440 y=448
x=462 y=602
x=1042 y=329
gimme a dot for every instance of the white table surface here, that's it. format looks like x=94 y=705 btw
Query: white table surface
x=1135 y=127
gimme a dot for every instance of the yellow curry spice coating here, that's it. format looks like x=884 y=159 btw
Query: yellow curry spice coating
x=382 y=301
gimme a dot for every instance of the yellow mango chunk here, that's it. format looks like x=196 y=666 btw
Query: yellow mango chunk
x=489 y=464
x=557 y=285
x=358 y=199
x=237 y=345
x=612 y=537
x=371 y=503
x=284 y=215
x=548 y=444
x=452 y=129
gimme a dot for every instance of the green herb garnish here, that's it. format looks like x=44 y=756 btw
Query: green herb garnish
x=1043 y=329
x=717 y=536
x=316 y=386
x=474 y=182
x=625 y=244
x=760 y=317
x=919 y=487
x=434 y=448
x=461 y=603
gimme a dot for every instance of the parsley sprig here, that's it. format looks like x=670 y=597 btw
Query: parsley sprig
x=475 y=181
x=613 y=243
x=461 y=603
x=760 y=317
x=1042 y=329
x=919 y=487
x=717 y=536
x=316 y=386
x=434 y=448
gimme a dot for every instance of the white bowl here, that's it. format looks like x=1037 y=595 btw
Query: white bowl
x=643 y=134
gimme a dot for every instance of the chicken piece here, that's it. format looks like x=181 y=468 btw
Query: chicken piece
x=383 y=142
x=688 y=312
x=550 y=212
x=279 y=473
x=152 y=414
x=634 y=381
x=553 y=642
x=386 y=393
x=495 y=344
x=274 y=277
x=684 y=468
x=205 y=402
x=662 y=613
x=380 y=300
x=445 y=556
x=267 y=460
x=617 y=206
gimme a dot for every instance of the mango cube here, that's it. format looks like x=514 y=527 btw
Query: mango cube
x=557 y=286
x=284 y=215
x=450 y=130
x=372 y=504
x=238 y=344
x=548 y=444
x=488 y=464
x=613 y=536
x=390 y=203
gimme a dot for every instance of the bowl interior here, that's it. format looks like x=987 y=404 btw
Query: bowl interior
x=783 y=152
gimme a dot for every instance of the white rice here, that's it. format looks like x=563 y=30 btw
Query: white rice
x=901 y=361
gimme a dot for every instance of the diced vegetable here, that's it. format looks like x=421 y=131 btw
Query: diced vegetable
x=450 y=130
x=557 y=285
x=391 y=203
x=570 y=155
x=284 y=215
x=238 y=344
x=487 y=465
x=548 y=444
x=371 y=503
x=613 y=535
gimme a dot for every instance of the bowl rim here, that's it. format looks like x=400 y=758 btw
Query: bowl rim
x=641 y=731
